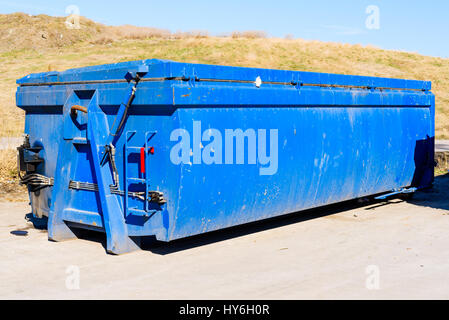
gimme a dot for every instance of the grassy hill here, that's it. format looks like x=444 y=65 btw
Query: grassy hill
x=41 y=43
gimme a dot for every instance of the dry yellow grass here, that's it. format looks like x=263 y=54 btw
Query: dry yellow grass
x=249 y=34
x=10 y=190
x=8 y=166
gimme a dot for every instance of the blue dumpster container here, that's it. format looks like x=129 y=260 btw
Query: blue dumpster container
x=167 y=149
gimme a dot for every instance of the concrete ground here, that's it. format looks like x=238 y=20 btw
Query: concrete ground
x=376 y=250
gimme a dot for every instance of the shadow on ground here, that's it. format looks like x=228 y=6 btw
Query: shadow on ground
x=438 y=197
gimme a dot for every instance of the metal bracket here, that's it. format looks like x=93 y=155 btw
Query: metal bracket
x=297 y=83
x=192 y=78
x=137 y=74
x=28 y=157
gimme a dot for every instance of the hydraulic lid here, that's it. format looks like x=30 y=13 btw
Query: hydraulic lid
x=164 y=70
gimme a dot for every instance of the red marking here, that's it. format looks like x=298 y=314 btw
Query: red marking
x=152 y=150
x=142 y=160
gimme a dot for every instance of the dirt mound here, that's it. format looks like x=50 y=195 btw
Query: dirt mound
x=22 y=31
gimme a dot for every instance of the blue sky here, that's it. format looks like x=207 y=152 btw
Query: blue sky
x=416 y=26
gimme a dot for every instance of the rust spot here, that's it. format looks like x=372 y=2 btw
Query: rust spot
x=94 y=223
x=185 y=95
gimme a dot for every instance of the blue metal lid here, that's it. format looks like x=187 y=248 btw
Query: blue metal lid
x=169 y=70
